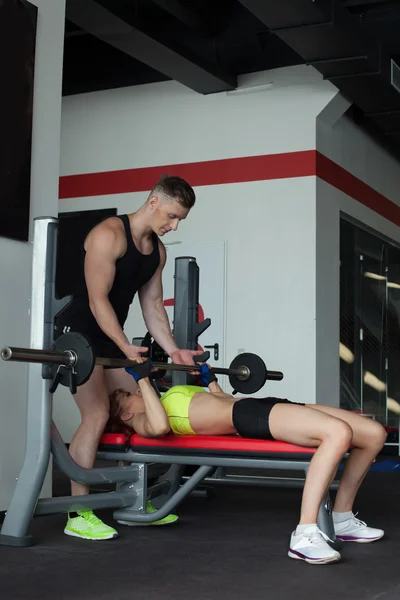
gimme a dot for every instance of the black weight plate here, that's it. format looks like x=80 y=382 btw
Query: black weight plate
x=258 y=373
x=156 y=353
x=146 y=342
x=77 y=343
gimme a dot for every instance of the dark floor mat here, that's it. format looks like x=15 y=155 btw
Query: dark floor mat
x=232 y=546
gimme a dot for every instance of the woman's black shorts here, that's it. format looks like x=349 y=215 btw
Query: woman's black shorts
x=250 y=416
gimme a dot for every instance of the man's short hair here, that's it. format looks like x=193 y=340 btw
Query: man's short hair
x=175 y=188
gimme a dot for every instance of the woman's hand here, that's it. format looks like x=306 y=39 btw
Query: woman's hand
x=206 y=375
x=141 y=369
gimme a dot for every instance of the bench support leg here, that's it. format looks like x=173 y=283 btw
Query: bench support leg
x=135 y=514
x=325 y=522
x=140 y=487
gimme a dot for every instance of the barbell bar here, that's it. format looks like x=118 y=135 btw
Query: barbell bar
x=69 y=359
x=49 y=357
x=72 y=361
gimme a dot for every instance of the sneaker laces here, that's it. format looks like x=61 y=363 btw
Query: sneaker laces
x=358 y=522
x=315 y=536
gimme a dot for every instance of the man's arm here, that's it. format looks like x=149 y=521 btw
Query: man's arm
x=156 y=318
x=154 y=313
x=154 y=421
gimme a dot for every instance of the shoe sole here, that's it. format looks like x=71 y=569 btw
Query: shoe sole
x=318 y=561
x=94 y=539
x=154 y=524
x=360 y=540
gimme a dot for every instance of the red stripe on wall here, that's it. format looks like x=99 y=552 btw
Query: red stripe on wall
x=233 y=170
x=347 y=183
x=213 y=172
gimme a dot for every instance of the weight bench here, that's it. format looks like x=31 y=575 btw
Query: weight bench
x=208 y=453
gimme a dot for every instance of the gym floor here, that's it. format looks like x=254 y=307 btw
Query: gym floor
x=233 y=545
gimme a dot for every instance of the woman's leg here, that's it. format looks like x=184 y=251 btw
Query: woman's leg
x=368 y=439
x=332 y=437
x=304 y=426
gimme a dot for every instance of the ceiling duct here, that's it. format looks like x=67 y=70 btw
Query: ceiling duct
x=331 y=39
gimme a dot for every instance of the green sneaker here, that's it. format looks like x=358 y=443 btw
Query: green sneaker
x=168 y=520
x=89 y=527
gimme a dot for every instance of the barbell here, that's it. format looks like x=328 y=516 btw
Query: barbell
x=72 y=361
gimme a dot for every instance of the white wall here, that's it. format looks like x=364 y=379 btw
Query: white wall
x=166 y=123
x=348 y=145
x=327 y=280
x=15 y=265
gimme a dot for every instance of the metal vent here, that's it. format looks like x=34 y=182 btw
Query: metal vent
x=395 y=75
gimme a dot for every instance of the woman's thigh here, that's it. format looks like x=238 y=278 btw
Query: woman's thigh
x=365 y=430
x=301 y=425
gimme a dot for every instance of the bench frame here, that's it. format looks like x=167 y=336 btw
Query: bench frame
x=206 y=463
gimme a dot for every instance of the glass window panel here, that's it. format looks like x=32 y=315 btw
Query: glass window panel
x=393 y=336
x=350 y=379
x=369 y=324
x=371 y=310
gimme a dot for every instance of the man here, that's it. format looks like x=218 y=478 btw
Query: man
x=121 y=256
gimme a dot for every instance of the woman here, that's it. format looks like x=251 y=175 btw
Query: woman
x=190 y=410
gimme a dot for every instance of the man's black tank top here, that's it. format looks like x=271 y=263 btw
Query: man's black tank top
x=133 y=270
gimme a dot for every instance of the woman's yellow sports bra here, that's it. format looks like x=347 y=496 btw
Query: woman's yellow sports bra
x=176 y=403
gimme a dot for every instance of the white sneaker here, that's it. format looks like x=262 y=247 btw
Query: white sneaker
x=312 y=546
x=354 y=530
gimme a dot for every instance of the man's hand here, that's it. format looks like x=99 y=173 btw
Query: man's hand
x=133 y=352
x=185 y=357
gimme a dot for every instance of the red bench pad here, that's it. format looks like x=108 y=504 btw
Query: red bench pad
x=205 y=444
x=113 y=439
x=232 y=444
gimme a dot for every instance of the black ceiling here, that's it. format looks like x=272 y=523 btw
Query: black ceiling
x=206 y=44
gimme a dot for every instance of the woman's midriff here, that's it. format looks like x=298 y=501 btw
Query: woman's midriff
x=211 y=416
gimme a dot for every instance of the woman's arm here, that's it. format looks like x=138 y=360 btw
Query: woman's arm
x=209 y=379
x=154 y=421
x=216 y=390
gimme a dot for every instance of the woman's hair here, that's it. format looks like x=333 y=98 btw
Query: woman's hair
x=115 y=424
